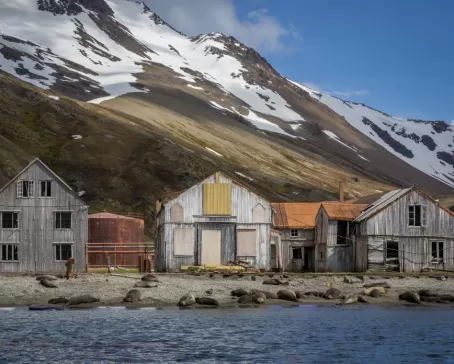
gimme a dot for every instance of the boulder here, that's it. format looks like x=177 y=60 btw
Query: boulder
x=84 y=298
x=286 y=295
x=57 y=301
x=186 y=300
x=208 y=301
x=332 y=293
x=46 y=283
x=239 y=292
x=272 y=282
x=377 y=284
x=410 y=296
x=247 y=298
x=144 y=284
x=266 y=293
x=258 y=297
x=349 y=299
x=48 y=277
x=348 y=280
x=150 y=278
x=362 y=299
x=133 y=295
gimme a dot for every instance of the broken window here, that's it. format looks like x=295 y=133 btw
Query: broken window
x=294 y=233
x=46 y=188
x=25 y=189
x=63 y=220
x=297 y=253
x=9 y=253
x=342 y=232
x=10 y=220
x=437 y=252
x=417 y=215
x=63 y=251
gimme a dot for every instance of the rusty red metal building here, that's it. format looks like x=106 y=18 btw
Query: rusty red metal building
x=117 y=241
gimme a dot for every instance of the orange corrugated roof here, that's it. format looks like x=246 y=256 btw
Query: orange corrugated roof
x=295 y=215
x=343 y=211
x=107 y=215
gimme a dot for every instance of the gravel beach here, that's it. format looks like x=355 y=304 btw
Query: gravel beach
x=26 y=290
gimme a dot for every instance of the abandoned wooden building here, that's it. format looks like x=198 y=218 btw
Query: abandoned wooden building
x=404 y=230
x=334 y=238
x=215 y=222
x=43 y=223
x=295 y=223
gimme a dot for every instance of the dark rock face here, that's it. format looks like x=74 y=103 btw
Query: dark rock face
x=74 y=7
x=446 y=157
x=428 y=142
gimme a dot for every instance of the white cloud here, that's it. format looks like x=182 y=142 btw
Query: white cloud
x=362 y=92
x=259 y=30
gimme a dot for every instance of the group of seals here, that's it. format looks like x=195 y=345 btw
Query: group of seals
x=190 y=299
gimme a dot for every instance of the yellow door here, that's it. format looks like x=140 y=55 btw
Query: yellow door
x=211 y=247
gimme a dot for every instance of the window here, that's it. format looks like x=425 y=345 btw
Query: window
x=10 y=220
x=9 y=253
x=46 y=189
x=437 y=252
x=417 y=215
x=62 y=220
x=297 y=253
x=63 y=251
x=25 y=189
x=294 y=233
x=342 y=232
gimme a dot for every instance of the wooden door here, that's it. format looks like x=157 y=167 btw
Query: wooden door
x=297 y=258
x=211 y=247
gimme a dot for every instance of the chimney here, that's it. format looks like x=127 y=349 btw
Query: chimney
x=341 y=191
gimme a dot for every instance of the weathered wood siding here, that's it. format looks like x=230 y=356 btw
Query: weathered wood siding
x=361 y=253
x=36 y=235
x=249 y=211
x=305 y=238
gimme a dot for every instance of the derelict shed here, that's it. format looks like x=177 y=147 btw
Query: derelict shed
x=43 y=223
x=296 y=225
x=405 y=230
x=211 y=224
x=335 y=236
x=116 y=240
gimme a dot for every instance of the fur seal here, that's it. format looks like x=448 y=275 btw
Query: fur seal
x=143 y=284
x=259 y=297
x=207 y=301
x=48 y=277
x=253 y=278
x=410 y=296
x=300 y=294
x=349 y=299
x=266 y=293
x=133 y=295
x=209 y=291
x=348 y=280
x=314 y=293
x=286 y=295
x=362 y=299
x=84 y=298
x=446 y=297
x=332 y=293
x=57 y=301
x=247 y=298
x=377 y=284
x=431 y=299
x=149 y=278
x=239 y=292
x=271 y=282
x=186 y=300
x=426 y=293
x=47 y=283
x=368 y=291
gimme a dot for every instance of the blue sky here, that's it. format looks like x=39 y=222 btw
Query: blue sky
x=394 y=55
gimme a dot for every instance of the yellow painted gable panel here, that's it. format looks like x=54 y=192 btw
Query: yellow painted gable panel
x=217 y=199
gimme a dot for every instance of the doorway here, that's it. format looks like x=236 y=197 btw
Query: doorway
x=392 y=262
x=297 y=259
x=308 y=264
x=211 y=247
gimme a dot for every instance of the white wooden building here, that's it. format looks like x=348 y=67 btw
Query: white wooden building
x=215 y=222
x=43 y=222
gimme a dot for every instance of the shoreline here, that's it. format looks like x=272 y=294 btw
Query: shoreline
x=23 y=291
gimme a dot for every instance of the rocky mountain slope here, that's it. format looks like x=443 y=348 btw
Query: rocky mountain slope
x=191 y=105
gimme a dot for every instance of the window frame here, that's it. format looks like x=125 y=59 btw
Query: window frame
x=59 y=244
x=20 y=188
x=437 y=259
x=9 y=245
x=60 y=220
x=9 y=212
x=422 y=215
x=297 y=233
x=47 y=188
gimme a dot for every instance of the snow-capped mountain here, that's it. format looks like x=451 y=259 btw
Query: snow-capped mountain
x=97 y=50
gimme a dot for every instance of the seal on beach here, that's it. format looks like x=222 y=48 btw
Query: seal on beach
x=247 y=298
x=377 y=284
x=349 y=299
x=239 y=292
x=84 y=298
x=149 y=278
x=253 y=278
x=186 y=300
x=208 y=301
x=314 y=293
x=266 y=293
x=271 y=282
x=362 y=299
x=410 y=296
x=46 y=283
x=426 y=293
x=209 y=291
x=133 y=295
x=286 y=295
x=332 y=293
x=258 y=297
x=48 y=277
x=57 y=301
x=143 y=284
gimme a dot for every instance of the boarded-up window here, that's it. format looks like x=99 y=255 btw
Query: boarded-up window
x=258 y=214
x=246 y=243
x=183 y=242
x=217 y=199
x=176 y=213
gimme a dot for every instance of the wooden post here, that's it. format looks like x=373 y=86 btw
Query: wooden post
x=69 y=267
